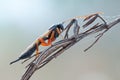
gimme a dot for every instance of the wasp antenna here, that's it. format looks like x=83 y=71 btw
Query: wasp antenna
x=14 y=61
x=82 y=17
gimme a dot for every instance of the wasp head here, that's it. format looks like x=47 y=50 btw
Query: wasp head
x=60 y=26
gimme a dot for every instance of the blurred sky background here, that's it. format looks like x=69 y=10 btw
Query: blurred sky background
x=22 y=21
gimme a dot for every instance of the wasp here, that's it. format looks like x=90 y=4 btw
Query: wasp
x=44 y=40
x=53 y=33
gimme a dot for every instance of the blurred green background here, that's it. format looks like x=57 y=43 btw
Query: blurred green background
x=22 y=21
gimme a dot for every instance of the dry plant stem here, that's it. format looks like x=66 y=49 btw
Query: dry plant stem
x=100 y=35
x=33 y=66
x=44 y=54
x=56 y=54
x=47 y=55
x=56 y=44
x=52 y=49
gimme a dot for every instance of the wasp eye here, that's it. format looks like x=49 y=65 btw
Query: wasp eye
x=60 y=26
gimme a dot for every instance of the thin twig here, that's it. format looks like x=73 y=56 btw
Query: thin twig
x=100 y=35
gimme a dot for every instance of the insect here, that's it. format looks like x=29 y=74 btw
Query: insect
x=45 y=40
x=54 y=32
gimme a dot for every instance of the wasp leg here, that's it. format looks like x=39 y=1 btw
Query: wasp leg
x=89 y=16
x=37 y=48
x=43 y=43
x=102 y=19
x=68 y=27
x=76 y=27
x=52 y=38
x=105 y=23
x=58 y=31
x=92 y=18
